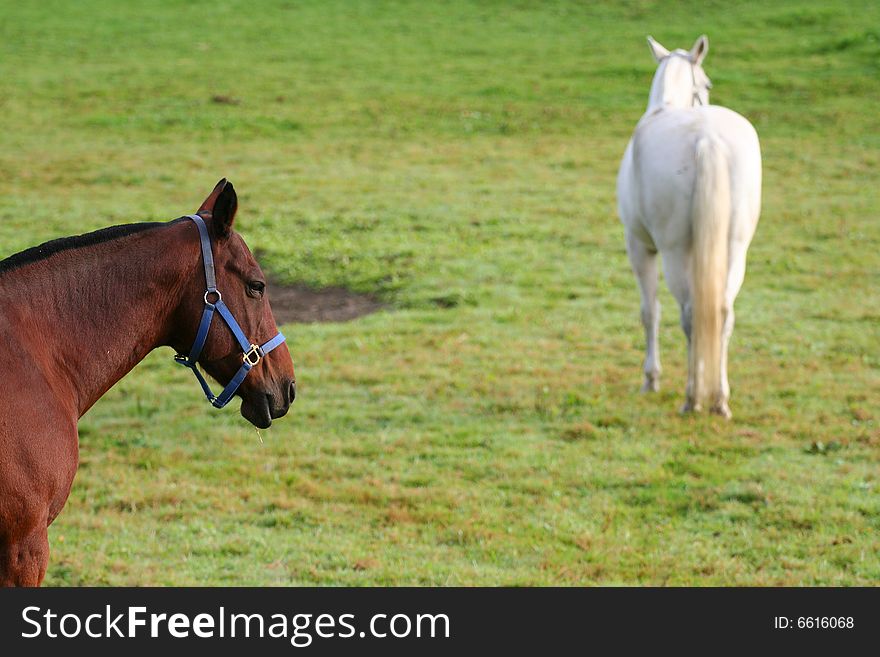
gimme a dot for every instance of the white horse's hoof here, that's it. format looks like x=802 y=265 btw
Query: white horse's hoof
x=723 y=410
x=690 y=407
x=651 y=385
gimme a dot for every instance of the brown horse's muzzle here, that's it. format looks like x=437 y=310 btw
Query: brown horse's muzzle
x=260 y=407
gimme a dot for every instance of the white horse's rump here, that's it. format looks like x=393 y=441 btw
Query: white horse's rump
x=689 y=187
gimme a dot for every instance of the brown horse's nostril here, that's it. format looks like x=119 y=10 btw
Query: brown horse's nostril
x=292 y=392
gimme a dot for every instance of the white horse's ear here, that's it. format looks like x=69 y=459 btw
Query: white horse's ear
x=657 y=50
x=700 y=49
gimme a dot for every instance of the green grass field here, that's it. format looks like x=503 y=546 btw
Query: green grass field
x=458 y=159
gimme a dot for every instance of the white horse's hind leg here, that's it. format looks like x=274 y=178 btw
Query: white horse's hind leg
x=735 y=276
x=644 y=265
x=675 y=268
x=686 y=320
x=722 y=406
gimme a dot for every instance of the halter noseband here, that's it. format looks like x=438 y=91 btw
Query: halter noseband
x=252 y=354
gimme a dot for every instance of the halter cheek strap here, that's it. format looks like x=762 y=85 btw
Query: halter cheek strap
x=252 y=353
x=695 y=96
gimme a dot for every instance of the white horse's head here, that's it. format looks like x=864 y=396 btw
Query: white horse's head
x=680 y=80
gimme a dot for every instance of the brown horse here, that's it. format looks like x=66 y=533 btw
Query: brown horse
x=78 y=313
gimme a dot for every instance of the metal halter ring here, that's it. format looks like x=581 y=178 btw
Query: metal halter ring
x=253 y=355
x=219 y=297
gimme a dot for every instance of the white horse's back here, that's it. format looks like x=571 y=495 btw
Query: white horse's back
x=689 y=187
x=657 y=175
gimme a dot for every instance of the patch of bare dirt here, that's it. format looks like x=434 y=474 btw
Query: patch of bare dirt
x=306 y=305
x=225 y=100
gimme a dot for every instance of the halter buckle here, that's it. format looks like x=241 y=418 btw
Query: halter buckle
x=253 y=355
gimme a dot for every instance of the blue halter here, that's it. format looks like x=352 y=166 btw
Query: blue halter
x=252 y=354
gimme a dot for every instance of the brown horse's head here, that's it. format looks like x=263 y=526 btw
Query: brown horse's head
x=270 y=386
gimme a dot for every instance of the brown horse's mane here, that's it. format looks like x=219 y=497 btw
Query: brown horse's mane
x=51 y=247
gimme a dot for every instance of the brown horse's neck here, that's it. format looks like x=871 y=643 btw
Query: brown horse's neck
x=87 y=315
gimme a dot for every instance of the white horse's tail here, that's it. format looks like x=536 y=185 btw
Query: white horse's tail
x=710 y=219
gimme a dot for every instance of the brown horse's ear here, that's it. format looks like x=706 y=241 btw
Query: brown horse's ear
x=224 y=210
x=207 y=206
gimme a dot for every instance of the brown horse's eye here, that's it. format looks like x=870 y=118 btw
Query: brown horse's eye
x=256 y=288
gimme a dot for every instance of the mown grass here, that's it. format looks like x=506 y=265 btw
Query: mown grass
x=459 y=160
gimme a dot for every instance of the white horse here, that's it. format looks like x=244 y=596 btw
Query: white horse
x=689 y=187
